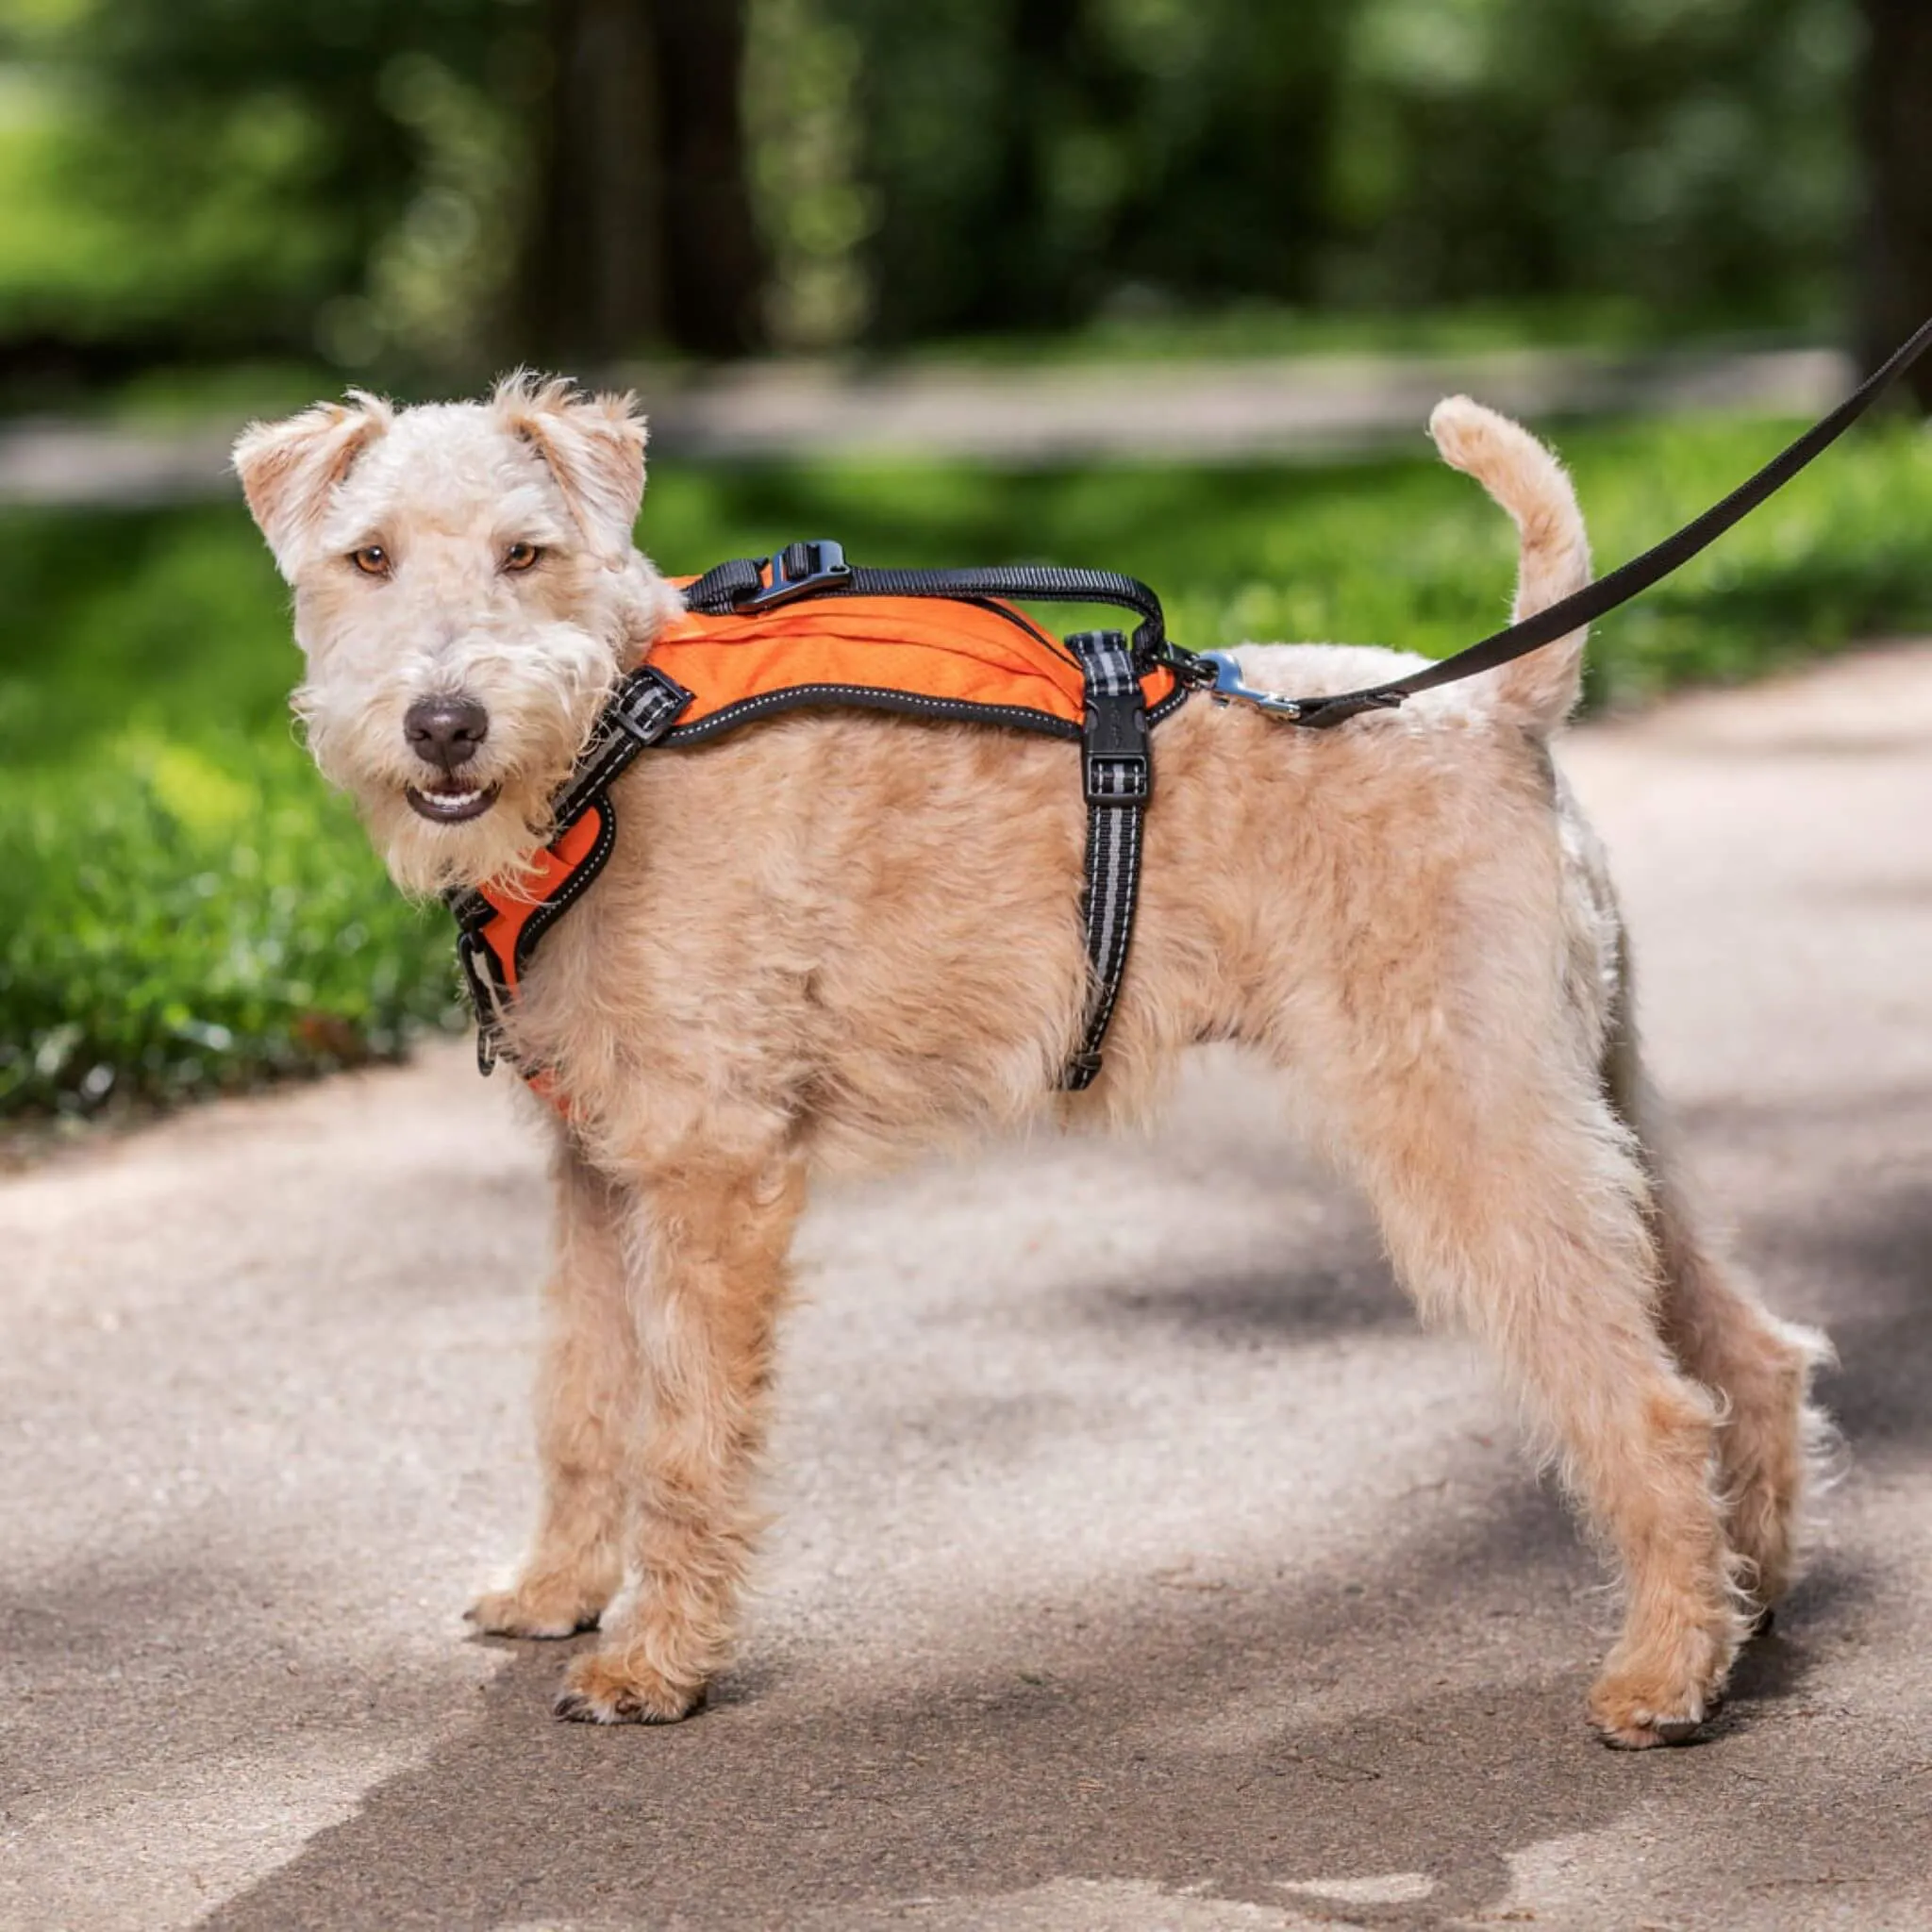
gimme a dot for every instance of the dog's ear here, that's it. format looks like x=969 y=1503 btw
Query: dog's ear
x=289 y=470
x=594 y=446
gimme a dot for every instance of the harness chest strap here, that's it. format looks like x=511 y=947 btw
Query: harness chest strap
x=927 y=653
x=497 y=930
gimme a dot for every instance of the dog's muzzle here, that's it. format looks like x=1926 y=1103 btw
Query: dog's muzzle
x=444 y=732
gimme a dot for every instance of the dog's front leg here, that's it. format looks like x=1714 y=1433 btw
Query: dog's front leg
x=706 y=1262
x=588 y=1397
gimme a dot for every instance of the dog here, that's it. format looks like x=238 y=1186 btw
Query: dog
x=832 y=938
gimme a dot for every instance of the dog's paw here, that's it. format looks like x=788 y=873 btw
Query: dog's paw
x=598 y=1690
x=1660 y=1685
x=1636 y=1711
x=1625 y=1726
x=526 y=1611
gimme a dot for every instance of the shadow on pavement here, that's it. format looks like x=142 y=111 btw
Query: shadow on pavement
x=1332 y=1282
x=1181 y=1741
x=1244 y=1736
x=1866 y=1276
x=1863 y=1272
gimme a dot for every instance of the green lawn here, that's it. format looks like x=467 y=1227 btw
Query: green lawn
x=185 y=909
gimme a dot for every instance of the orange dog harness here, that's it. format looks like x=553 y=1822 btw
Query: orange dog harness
x=804 y=628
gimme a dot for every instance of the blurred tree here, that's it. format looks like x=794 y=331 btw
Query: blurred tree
x=1689 y=157
x=1023 y=164
x=1895 y=130
x=642 y=230
x=275 y=177
x=805 y=153
x=1035 y=159
x=424 y=188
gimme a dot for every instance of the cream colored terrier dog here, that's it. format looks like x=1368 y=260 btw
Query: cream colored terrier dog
x=835 y=938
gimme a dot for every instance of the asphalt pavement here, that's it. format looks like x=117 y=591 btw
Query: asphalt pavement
x=1136 y=1563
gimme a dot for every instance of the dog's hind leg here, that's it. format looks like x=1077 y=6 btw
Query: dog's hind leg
x=587 y=1402
x=1759 y=1367
x=1508 y=1197
x=706 y=1249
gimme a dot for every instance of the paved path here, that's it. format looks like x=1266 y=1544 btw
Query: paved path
x=1310 y=406
x=1140 y=1565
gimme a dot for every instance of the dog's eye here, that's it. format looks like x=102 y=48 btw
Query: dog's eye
x=372 y=560
x=521 y=556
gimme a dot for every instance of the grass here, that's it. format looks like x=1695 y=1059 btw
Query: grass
x=1244 y=331
x=184 y=909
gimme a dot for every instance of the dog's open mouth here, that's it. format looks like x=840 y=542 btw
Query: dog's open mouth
x=449 y=805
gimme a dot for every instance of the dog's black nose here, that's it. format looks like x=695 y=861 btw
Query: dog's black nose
x=445 y=731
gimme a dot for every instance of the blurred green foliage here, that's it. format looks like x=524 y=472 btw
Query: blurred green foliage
x=185 y=909
x=1114 y=154
x=352 y=179
x=209 y=178
x=192 y=918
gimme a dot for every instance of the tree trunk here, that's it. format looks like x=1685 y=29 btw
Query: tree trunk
x=714 y=270
x=1895 y=128
x=1020 y=283
x=640 y=232
x=592 y=283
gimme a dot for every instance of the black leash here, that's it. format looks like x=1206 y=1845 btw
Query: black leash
x=1216 y=671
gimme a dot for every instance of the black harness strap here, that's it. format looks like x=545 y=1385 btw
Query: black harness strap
x=1627 y=580
x=1118 y=771
x=819 y=569
x=645 y=706
x=642 y=708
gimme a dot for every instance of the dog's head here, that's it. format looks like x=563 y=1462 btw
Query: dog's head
x=466 y=594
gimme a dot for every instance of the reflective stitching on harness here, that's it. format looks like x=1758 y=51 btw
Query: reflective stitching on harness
x=575 y=885
x=962 y=710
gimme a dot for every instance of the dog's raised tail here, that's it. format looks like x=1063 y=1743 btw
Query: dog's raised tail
x=1537 y=691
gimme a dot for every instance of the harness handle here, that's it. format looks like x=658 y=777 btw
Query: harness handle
x=819 y=569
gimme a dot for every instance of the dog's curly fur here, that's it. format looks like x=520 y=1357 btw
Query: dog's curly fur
x=835 y=938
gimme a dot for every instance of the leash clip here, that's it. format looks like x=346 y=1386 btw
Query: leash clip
x=1224 y=681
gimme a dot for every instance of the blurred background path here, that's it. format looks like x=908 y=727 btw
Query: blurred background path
x=1138 y=1566
x=1152 y=412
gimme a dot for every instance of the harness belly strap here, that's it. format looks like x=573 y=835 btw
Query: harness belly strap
x=940 y=645
x=1118 y=774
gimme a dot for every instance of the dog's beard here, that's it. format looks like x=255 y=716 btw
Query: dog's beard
x=536 y=727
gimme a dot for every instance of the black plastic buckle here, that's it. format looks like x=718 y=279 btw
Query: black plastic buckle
x=800 y=570
x=481 y=983
x=1116 y=740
